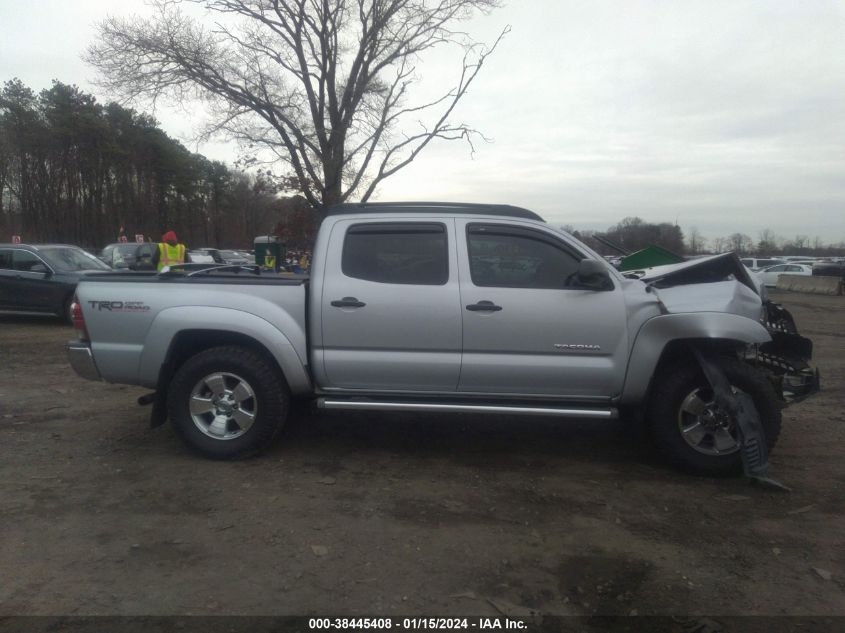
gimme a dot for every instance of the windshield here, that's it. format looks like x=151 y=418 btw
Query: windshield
x=126 y=249
x=68 y=258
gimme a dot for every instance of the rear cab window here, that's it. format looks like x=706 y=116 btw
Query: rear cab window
x=413 y=253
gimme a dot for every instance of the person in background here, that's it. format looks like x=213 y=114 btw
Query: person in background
x=169 y=252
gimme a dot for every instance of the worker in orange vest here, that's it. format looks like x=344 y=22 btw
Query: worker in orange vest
x=170 y=252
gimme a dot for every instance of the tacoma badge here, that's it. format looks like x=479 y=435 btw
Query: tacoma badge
x=577 y=347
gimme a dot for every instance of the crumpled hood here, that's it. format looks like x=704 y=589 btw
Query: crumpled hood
x=719 y=283
x=720 y=296
x=702 y=270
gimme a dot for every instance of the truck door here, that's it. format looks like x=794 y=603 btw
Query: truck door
x=390 y=310
x=527 y=330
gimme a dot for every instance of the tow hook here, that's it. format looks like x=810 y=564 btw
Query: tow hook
x=755 y=453
x=147 y=399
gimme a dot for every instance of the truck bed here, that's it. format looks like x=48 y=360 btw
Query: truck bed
x=133 y=318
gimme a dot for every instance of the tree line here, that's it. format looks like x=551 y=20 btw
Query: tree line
x=634 y=233
x=769 y=243
x=75 y=170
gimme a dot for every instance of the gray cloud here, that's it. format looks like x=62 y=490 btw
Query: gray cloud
x=727 y=115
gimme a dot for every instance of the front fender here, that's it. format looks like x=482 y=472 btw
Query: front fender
x=169 y=322
x=658 y=332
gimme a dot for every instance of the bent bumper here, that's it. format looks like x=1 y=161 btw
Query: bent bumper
x=82 y=360
x=787 y=357
x=800 y=385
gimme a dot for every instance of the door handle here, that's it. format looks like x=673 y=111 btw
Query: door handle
x=348 y=302
x=483 y=306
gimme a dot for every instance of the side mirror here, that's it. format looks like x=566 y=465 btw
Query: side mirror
x=593 y=275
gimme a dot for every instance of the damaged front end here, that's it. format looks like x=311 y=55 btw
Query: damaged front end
x=722 y=283
x=786 y=358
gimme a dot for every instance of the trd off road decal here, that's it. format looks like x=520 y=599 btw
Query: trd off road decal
x=120 y=306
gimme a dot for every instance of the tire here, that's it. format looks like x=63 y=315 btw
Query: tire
x=246 y=397
x=66 y=315
x=668 y=413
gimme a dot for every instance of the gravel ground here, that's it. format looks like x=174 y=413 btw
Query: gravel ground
x=376 y=514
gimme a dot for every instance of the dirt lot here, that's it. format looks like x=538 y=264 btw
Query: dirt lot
x=366 y=514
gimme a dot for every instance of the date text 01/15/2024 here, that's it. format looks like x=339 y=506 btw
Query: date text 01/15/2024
x=418 y=623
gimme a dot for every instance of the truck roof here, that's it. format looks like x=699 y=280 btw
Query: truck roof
x=351 y=208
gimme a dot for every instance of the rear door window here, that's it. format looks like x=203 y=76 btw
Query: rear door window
x=397 y=253
x=24 y=261
x=6 y=259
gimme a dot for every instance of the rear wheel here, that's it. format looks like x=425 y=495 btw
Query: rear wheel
x=692 y=431
x=228 y=402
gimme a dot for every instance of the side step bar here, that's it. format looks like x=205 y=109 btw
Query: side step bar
x=522 y=409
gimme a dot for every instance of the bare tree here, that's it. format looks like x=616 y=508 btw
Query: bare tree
x=798 y=244
x=720 y=244
x=739 y=243
x=324 y=85
x=768 y=242
x=697 y=242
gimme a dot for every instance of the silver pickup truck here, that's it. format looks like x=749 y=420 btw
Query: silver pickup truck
x=452 y=308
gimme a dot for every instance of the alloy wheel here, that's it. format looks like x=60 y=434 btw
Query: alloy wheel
x=223 y=406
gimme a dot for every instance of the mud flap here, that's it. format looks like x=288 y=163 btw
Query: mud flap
x=755 y=453
x=158 y=415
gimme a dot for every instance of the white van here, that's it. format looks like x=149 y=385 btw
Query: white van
x=756 y=263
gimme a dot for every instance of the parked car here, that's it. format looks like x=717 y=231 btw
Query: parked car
x=805 y=262
x=829 y=269
x=755 y=263
x=129 y=255
x=234 y=257
x=770 y=275
x=201 y=257
x=445 y=307
x=214 y=253
x=42 y=278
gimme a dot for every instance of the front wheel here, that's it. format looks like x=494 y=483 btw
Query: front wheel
x=228 y=402
x=692 y=431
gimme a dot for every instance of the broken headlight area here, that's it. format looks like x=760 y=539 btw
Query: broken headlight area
x=786 y=358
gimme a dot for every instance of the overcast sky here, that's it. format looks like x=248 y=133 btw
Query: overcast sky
x=723 y=115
